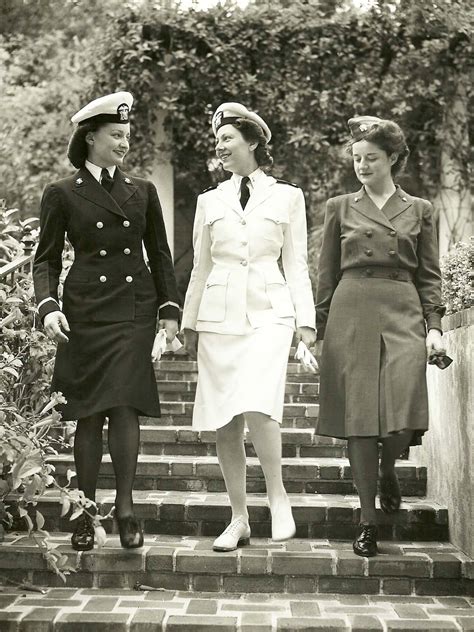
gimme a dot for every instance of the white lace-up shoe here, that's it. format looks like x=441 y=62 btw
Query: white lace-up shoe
x=283 y=524
x=236 y=534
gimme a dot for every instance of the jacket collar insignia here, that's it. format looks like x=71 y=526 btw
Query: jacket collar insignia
x=397 y=204
x=87 y=187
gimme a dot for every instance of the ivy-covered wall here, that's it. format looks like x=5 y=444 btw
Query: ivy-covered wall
x=306 y=72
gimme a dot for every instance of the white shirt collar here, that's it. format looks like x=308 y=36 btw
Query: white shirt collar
x=254 y=178
x=96 y=171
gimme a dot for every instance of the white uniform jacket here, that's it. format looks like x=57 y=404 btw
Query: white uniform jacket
x=236 y=283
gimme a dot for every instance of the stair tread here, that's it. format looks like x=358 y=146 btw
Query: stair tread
x=260 y=500
x=212 y=460
x=202 y=545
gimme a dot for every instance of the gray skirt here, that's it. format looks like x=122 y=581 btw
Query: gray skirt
x=373 y=373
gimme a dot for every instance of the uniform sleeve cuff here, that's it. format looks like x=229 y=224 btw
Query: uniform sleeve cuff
x=433 y=321
x=46 y=306
x=169 y=311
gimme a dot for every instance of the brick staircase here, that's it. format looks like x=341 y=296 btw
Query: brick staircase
x=176 y=582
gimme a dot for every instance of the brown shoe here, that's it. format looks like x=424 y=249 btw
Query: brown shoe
x=83 y=537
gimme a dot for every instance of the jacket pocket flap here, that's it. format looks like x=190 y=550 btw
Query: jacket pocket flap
x=278 y=216
x=213 y=214
x=274 y=276
x=217 y=277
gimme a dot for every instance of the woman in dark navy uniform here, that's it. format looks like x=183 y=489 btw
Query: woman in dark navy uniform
x=111 y=300
x=379 y=314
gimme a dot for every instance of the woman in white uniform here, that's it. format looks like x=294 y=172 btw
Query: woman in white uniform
x=244 y=312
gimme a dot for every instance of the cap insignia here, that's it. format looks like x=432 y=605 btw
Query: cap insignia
x=123 y=111
x=219 y=117
x=363 y=127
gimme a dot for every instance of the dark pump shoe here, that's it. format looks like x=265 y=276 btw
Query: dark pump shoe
x=131 y=535
x=365 y=544
x=83 y=537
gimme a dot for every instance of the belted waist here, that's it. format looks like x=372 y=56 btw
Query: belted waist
x=378 y=272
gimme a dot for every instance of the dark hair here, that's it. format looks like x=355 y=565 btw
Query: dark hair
x=389 y=136
x=77 y=150
x=253 y=133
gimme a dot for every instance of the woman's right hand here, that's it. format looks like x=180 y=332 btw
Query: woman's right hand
x=191 y=343
x=318 y=351
x=55 y=324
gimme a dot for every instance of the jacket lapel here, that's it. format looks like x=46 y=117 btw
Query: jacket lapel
x=362 y=203
x=227 y=194
x=87 y=187
x=398 y=203
x=123 y=188
x=262 y=192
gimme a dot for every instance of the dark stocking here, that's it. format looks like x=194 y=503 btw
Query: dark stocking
x=392 y=447
x=88 y=452
x=124 y=440
x=364 y=460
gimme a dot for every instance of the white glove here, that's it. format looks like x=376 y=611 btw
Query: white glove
x=306 y=358
x=160 y=345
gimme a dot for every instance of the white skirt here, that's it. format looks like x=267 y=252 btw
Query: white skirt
x=238 y=374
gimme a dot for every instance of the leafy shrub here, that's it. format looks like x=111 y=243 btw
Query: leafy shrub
x=30 y=428
x=457 y=269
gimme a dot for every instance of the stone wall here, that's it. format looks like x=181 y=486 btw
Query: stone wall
x=448 y=448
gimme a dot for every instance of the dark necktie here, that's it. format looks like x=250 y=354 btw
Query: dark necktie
x=105 y=180
x=244 y=191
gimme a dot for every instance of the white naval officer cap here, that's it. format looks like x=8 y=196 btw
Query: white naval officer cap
x=111 y=108
x=231 y=112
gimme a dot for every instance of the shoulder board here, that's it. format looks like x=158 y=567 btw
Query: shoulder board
x=292 y=184
x=214 y=186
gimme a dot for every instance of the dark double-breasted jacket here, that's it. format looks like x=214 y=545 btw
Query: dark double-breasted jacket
x=402 y=236
x=109 y=280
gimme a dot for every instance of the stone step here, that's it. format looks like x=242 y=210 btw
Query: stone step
x=291 y=568
x=186 y=420
x=179 y=369
x=316 y=515
x=194 y=473
x=122 y=610
x=185 y=391
x=182 y=440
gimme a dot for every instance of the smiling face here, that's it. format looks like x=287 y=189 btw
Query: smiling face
x=235 y=153
x=372 y=165
x=109 y=144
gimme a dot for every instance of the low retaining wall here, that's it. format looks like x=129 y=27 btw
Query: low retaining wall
x=448 y=448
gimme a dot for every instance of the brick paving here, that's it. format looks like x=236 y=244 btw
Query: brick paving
x=72 y=609
x=419 y=581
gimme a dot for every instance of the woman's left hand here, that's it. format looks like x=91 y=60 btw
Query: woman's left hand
x=306 y=335
x=171 y=328
x=434 y=343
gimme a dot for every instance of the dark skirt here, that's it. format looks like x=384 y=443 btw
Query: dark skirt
x=373 y=366
x=107 y=364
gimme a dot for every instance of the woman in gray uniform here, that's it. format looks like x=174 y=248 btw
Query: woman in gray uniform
x=378 y=311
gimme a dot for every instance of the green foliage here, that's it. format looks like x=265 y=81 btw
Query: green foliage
x=457 y=269
x=306 y=71
x=30 y=428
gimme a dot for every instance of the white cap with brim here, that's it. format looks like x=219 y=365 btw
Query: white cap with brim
x=229 y=113
x=114 y=108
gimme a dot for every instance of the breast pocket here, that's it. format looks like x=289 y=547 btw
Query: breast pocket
x=275 y=222
x=278 y=293
x=213 y=302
